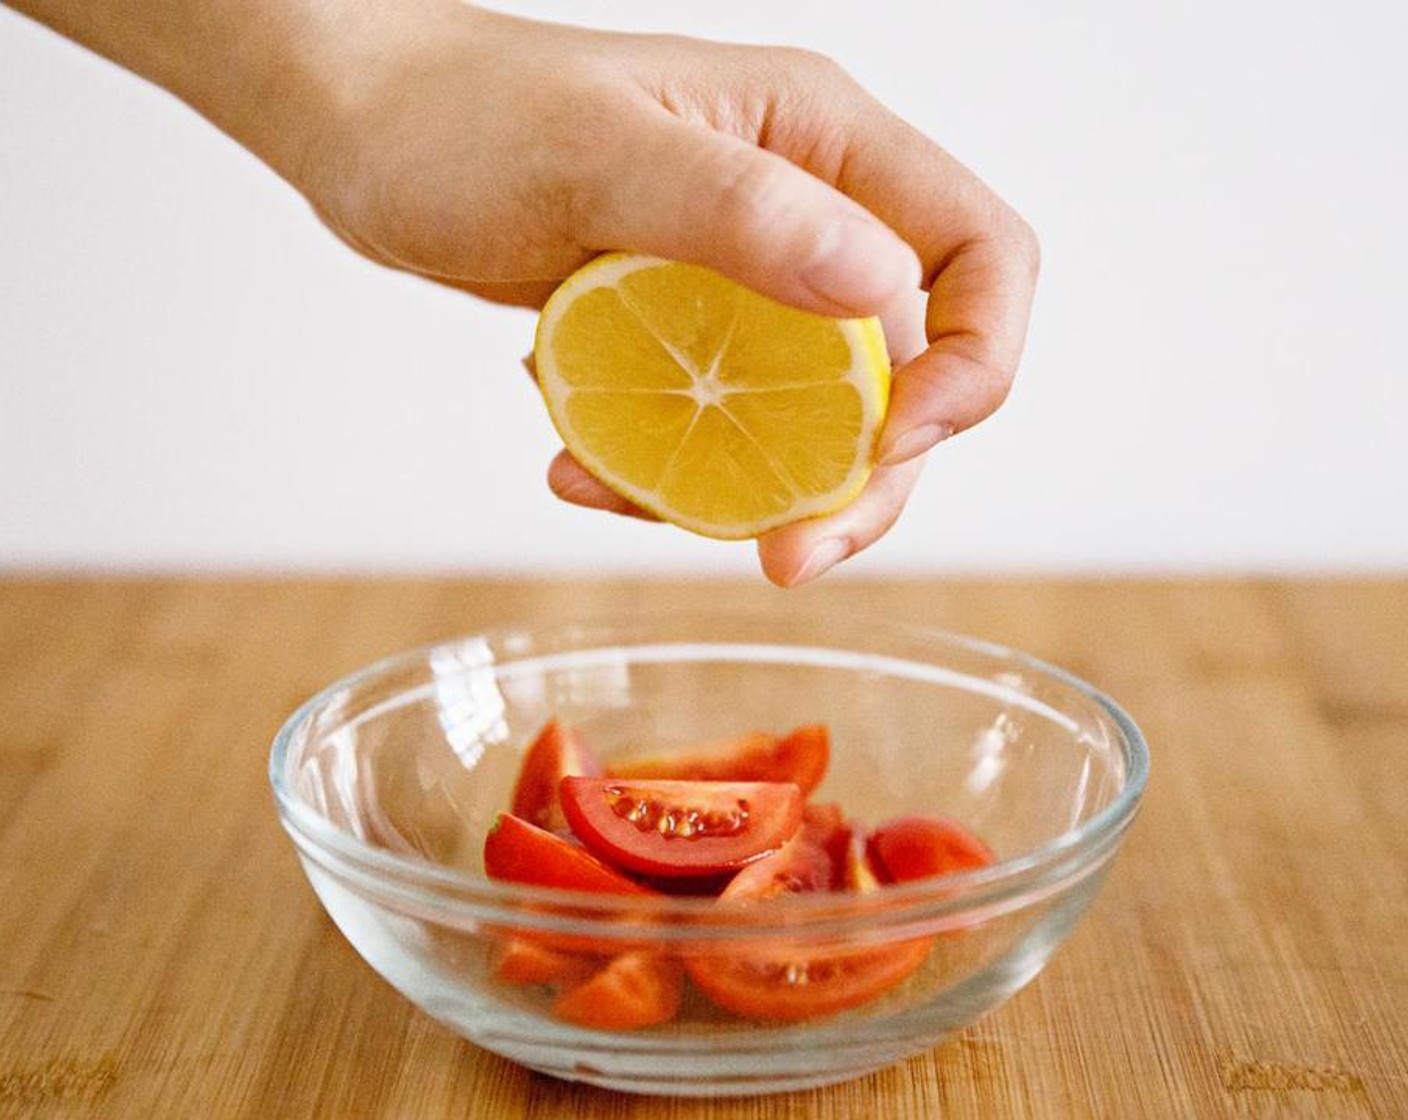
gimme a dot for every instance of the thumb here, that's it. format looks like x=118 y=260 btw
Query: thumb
x=688 y=193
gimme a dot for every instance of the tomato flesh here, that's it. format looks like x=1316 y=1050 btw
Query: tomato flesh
x=800 y=757
x=559 y=750
x=911 y=848
x=730 y=820
x=680 y=829
x=825 y=825
x=857 y=874
x=631 y=991
x=798 y=982
x=521 y=960
x=798 y=866
x=805 y=984
x=520 y=852
x=824 y=816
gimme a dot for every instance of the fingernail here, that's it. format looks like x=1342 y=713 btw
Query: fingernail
x=907 y=445
x=861 y=265
x=820 y=560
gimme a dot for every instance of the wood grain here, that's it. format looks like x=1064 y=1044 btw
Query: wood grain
x=161 y=955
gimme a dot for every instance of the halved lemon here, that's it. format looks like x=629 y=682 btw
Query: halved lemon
x=711 y=406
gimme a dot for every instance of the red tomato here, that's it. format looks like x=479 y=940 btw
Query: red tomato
x=799 y=986
x=559 y=750
x=799 y=865
x=790 y=983
x=825 y=816
x=856 y=872
x=825 y=825
x=520 y=960
x=681 y=829
x=911 y=848
x=631 y=991
x=523 y=853
x=799 y=757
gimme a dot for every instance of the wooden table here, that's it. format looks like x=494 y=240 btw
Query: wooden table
x=162 y=956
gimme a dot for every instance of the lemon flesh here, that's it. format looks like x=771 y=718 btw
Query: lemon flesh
x=711 y=406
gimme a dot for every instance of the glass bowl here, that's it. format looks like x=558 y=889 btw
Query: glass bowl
x=389 y=780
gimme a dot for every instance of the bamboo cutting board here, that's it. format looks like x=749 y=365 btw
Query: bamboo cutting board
x=162 y=956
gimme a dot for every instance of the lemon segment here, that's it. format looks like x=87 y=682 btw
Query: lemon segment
x=601 y=346
x=609 y=427
x=711 y=406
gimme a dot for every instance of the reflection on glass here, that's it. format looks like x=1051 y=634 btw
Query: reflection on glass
x=989 y=752
x=468 y=703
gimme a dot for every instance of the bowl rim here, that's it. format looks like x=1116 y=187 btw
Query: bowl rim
x=448 y=894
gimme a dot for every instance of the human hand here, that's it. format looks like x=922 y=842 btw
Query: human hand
x=497 y=155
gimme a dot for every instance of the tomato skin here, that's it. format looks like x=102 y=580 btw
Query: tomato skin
x=522 y=960
x=800 y=757
x=792 y=982
x=630 y=991
x=559 y=750
x=731 y=820
x=807 y=984
x=519 y=852
x=824 y=816
x=825 y=825
x=721 y=825
x=911 y=848
x=796 y=867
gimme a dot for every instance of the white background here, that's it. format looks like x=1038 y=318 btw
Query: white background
x=193 y=373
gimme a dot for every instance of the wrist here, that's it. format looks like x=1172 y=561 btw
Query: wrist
x=278 y=76
x=303 y=74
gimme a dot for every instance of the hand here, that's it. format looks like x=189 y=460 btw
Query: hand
x=497 y=155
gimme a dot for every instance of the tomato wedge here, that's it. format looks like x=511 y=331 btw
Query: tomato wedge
x=857 y=874
x=523 y=853
x=521 y=960
x=800 y=757
x=680 y=829
x=799 y=865
x=910 y=848
x=798 y=982
x=729 y=819
x=807 y=984
x=825 y=816
x=559 y=750
x=631 y=991
x=825 y=825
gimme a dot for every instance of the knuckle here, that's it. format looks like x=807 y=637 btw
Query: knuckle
x=751 y=193
x=1022 y=240
x=999 y=386
x=815 y=64
x=986 y=371
x=797 y=72
x=1030 y=247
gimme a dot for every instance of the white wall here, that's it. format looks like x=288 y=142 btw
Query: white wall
x=193 y=372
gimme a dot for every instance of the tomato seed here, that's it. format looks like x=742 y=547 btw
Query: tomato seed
x=685 y=823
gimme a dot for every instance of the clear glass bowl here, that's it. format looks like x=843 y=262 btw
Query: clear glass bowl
x=387 y=782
